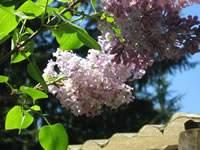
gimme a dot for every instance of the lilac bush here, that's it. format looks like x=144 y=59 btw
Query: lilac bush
x=134 y=35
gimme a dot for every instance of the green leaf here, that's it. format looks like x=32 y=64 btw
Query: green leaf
x=67 y=41
x=43 y=2
x=17 y=118
x=24 y=16
x=51 y=10
x=88 y=40
x=81 y=33
x=110 y=19
x=53 y=137
x=29 y=31
x=68 y=15
x=36 y=108
x=35 y=73
x=27 y=50
x=7 y=16
x=3 y=79
x=117 y=31
x=93 y=2
x=30 y=9
x=34 y=93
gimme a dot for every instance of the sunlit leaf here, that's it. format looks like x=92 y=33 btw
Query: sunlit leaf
x=110 y=19
x=7 y=16
x=67 y=41
x=81 y=33
x=68 y=15
x=24 y=15
x=43 y=2
x=36 y=108
x=3 y=79
x=34 y=93
x=30 y=9
x=17 y=118
x=29 y=31
x=53 y=137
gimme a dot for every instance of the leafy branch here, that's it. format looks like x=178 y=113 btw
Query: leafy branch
x=41 y=29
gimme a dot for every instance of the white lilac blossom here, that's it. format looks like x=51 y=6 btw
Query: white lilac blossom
x=89 y=83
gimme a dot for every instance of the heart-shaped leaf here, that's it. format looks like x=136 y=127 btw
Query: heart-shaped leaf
x=17 y=118
x=53 y=137
x=67 y=41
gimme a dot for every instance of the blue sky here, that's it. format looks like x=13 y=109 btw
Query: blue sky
x=188 y=82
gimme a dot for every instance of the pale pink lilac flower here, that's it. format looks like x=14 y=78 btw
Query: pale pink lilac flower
x=90 y=83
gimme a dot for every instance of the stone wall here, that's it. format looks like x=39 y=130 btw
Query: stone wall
x=171 y=136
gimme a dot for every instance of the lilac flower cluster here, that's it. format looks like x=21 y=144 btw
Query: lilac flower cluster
x=89 y=83
x=149 y=30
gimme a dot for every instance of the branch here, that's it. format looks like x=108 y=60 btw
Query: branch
x=40 y=30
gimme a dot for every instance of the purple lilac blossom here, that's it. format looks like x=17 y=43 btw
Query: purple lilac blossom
x=150 y=29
